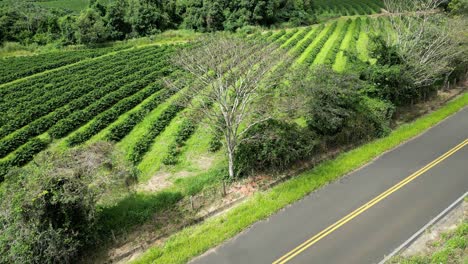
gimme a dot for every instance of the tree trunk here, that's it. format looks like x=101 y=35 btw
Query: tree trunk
x=231 y=162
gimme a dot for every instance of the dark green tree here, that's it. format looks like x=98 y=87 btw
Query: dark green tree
x=91 y=28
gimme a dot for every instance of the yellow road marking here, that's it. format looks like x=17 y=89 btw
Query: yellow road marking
x=296 y=251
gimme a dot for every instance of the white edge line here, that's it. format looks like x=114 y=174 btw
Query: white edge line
x=418 y=233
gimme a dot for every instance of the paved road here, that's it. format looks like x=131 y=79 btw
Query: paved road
x=379 y=229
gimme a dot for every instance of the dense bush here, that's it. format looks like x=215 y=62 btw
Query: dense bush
x=336 y=105
x=274 y=145
x=391 y=75
x=48 y=208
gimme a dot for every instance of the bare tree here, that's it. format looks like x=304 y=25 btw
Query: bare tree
x=233 y=84
x=425 y=38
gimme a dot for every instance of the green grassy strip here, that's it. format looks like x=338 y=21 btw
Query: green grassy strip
x=335 y=48
x=195 y=240
x=363 y=41
x=341 y=59
x=452 y=250
x=328 y=42
x=314 y=39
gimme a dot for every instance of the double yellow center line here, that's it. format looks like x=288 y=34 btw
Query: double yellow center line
x=293 y=253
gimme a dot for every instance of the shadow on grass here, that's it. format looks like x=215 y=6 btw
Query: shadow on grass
x=135 y=210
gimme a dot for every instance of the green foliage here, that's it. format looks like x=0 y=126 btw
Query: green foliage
x=391 y=75
x=318 y=47
x=49 y=211
x=22 y=156
x=119 y=131
x=122 y=19
x=458 y=7
x=274 y=145
x=91 y=28
x=450 y=249
x=157 y=127
x=13 y=68
x=72 y=99
x=334 y=8
x=185 y=131
x=331 y=55
x=335 y=105
x=28 y=23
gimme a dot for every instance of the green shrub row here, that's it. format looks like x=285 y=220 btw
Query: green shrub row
x=306 y=43
x=88 y=75
x=276 y=36
x=318 y=47
x=331 y=55
x=61 y=98
x=28 y=115
x=109 y=116
x=297 y=38
x=78 y=118
x=186 y=130
x=60 y=124
x=13 y=68
x=350 y=7
x=157 y=127
x=23 y=155
x=288 y=35
x=352 y=48
x=119 y=131
x=31 y=109
x=24 y=87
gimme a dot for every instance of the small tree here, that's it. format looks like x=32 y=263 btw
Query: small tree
x=233 y=84
x=426 y=40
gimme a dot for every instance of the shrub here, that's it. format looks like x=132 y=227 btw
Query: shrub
x=274 y=145
x=336 y=106
x=48 y=208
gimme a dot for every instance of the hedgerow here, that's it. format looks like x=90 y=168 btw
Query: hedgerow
x=119 y=131
x=89 y=75
x=292 y=43
x=54 y=115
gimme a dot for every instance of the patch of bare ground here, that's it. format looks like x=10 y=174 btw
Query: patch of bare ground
x=162 y=179
x=430 y=241
x=204 y=162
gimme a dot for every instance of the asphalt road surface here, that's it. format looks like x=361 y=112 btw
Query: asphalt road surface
x=367 y=214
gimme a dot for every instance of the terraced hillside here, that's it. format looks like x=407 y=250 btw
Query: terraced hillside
x=13 y=68
x=121 y=97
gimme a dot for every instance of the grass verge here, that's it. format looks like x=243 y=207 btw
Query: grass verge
x=450 y=249
x=193 y=241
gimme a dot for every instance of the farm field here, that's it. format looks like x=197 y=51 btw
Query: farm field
x=348 y=7
x=13 y=68
x=132 y=107
x=73 y=5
